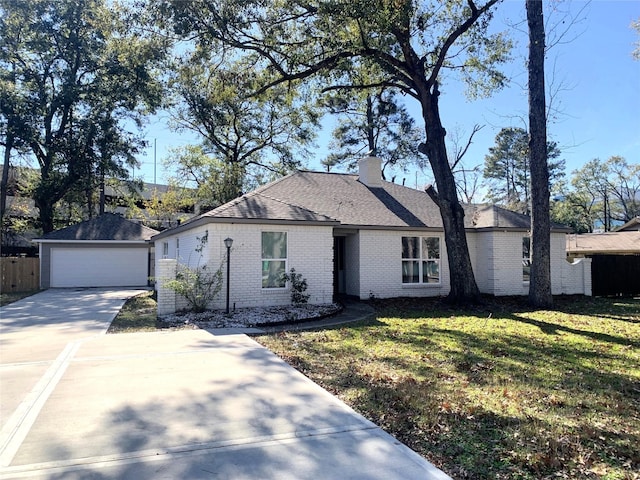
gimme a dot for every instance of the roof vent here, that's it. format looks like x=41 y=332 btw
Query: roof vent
x=370 y=171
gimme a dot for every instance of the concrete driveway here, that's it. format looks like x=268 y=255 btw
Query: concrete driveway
x=78 y=404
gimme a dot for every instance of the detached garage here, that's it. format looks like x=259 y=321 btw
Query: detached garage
x=107 y=251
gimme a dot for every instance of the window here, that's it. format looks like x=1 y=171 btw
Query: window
x=165 y=249
x=526 y=259
x=420 y=260
x=274 y=259
x=177 y=248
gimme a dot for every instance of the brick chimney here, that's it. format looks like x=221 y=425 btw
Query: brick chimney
x=370 y=171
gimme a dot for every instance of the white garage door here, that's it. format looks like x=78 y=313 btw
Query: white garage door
x=98 y=267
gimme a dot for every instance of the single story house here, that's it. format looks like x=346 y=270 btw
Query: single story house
x=106 y=251
x=352 y=234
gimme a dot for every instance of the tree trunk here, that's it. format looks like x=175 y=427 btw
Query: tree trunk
x=45 y=209
x=5 y=174
x=540 y=282
x=46 y=196
x=463 y=284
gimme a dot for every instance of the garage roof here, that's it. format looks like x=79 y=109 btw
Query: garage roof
x=106 y=227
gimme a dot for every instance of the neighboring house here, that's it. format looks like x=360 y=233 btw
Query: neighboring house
x=606 y=243
x=118 y=195
x=106 y=251
x=16 y=245
x=615 y=257
x=632 y=225
x=354 y=235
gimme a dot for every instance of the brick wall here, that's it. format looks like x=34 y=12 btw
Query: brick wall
x=165 y=270
x=381 y=266
x=504 y=263
x=499 y=269
x=310 y=252
x=484 y=256
x=373 y=264
x=576 y=277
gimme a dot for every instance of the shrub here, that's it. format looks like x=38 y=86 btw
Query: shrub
x=298 y=287
x=199 y=286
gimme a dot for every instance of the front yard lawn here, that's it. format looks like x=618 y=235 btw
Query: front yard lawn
x=500 y=391
x=137 y=315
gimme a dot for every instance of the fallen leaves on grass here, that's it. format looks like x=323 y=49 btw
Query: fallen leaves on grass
x=501 y=391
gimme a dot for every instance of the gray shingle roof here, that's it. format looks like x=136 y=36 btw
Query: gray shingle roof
x=259 y=205
x=344 y=198
x=108 y=227
x=339 y=197
x=490 y=216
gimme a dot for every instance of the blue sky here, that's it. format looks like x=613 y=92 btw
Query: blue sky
x=598 y=102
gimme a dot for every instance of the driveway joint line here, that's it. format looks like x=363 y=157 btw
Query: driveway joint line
x=116 y=357
x=19 y=424
x=25 y=364
x=150 y=455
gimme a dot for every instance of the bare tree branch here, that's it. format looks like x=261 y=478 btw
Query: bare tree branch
x=462 y=153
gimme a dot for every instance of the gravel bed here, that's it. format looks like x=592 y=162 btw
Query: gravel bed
x=250 y=317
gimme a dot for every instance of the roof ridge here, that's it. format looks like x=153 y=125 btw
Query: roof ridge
x=237 y=200
x=106 y=226
x=352 y=174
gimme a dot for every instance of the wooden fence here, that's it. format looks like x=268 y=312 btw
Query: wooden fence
x=615 y=275
x=20 y=274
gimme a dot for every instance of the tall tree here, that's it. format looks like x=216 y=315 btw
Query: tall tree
x=412 y=43
x=14 y=118
x=572 y=209
x=372 y=122
x=601 y=195
x=241 y=134
x=214 y=182
x=540 y=281
x=588 y=197
x=85 y=76
x=624 y=187
x=162 y=209
x=507 y=172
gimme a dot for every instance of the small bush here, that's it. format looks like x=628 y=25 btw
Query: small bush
x=298 y=287
x=199 y=286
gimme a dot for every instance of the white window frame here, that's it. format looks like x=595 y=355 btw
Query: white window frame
x=177 y=248
x=165 y=249
x=262 y=260
x=422 y=259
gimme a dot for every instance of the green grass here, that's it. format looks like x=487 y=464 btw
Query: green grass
x=495 y=392
x=137 y=315
x=9 y=297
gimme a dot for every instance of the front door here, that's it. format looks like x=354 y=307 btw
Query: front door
x=339 y=284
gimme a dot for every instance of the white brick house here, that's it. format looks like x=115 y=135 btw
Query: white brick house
x=353 y=235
